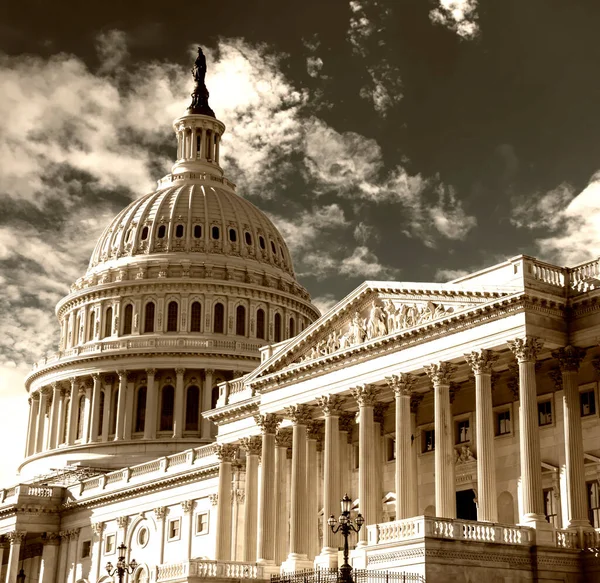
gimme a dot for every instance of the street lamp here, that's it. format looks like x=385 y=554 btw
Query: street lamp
x=122 y=567
x=21 y=576
x=346 y=525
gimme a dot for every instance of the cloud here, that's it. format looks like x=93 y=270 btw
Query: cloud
x=445 y=275
x=325 y=302
x=364 y=263
x=459 y=16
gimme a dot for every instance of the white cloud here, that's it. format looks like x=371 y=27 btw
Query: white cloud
x=325 y=302
x=364 y=232
x=459 y=16
x=445 y=275
x=314 y=66
x=364 y=263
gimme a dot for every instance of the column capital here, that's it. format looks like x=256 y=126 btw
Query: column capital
x=122 y=521
x=569 y=358
x=180 y=371
x=481 y=361
x=187 y=506
x=283 y=438
x=268 y=423
x=44 y=391
x=209 y=371
x=251 y=445
x=225 y=451
x=35 y=396
x=56 y=387
x=160 y=512
x=214 y=499
x=16 y=537
x=440 y=372
x=365 y=395
x=150 y=371
x=331 y=405
x=72 y=381
x=97 y=528
x=96 y=376
x=402 y=384
x=526 y=349
x=122 y=374
x=51 y=538
x=73 y=533
x=299 y=414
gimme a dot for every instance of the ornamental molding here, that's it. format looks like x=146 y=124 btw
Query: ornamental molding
x=268 y=423
x=569 y=358
x=251 y=445
x=235 y=412
x=526 y=349
x=402 y=384
x=481 y=361
x=331 y=405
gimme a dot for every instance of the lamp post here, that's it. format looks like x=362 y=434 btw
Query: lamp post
x=21 y=576
x=347 y=525
x=122 y=567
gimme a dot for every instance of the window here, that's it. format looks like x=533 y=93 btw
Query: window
x=390 y=449
x=140 y=410
x=179 y=231
x=101 y=412
x=216 y=233
x=127 y=319
x=503 y=422
x=428 y=440
x=545 y=413
x=197 y=231
x=149 y=317
x=166 y=408
x=108 y=323
x=192 y=408
x=277 y=327
x=80 y=417
x=463 y=431
x=142 y=536
x=219 y=318
x=248 y=238
x=551 y=507
x=196 y=317
x=240 y=321
x=144 y=234
x=65 y=425
x=172 y=313
x=202 y=523
x=593 y=491
x=273 y=249
x=162 y=231
x=174 y=528
x=292 y=327
x=91 y=322
x=76 y=331
x=86 y=549
x=115 y=404
x=232 y=235
x=261 y=242
x=260 y=323
x=109 y=544
x=587 y=401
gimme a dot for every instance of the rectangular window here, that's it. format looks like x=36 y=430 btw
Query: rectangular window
x=174 y=529
x=86 y=549
x=545 y=413
x=390 y=445
x=428 y=440
x=503 y=422
x=202 y=523
x=587 y=402
x=463 y=431
x=109 y=545
x=551 y=507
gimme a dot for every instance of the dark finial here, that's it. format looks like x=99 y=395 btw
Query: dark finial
x=200 y=95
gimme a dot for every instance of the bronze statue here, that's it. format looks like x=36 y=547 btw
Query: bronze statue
x=200 y=95
x=199 y=70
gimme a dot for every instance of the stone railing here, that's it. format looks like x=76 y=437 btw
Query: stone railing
x=549 y=274
x=12 y=495
x=425 y=526
x=586 y=276
x=207 y=569
x=578 y=539
x=170 y=179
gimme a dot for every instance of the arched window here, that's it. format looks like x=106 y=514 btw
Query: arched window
x=166 y=408
x=196 y=317
x=219 y=318
x=260 y=323
x=162 y=231
x=76 y=331
x=197 y=231
x=113 y=412
x=140 y=410
x=149 y=317
x=248 y=238
x=261 y=242
x=172 y=312
x=108 y=323
x=214 y=397
x=91 y=322
x=179 y=231
x=240 y=321
x=232 y=235
x=144 y=234
x=273 y=249
x=292 y=327
x=216 y=233
x=101 y=412
x=127 y=319
x=192 y=408
x=80 y=417
x=277 y=326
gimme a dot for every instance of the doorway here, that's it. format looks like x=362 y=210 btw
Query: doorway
x=465 y=505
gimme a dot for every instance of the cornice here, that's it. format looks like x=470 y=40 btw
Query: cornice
x=234 y=412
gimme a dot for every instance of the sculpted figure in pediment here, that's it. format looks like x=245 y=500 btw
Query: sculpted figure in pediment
x=358 y=331
x=376 y=325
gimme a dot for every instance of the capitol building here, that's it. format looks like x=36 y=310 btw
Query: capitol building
x=201 y=414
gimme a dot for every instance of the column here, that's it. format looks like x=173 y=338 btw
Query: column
x=206 y=402
x=97 y=530
x=365 y=396
x=331 y=406
x=129 y=415
x=265 y=550
x=526 y=350
x=225 y=453
x=96 y=392
x=49 y=557
x=15 y=538
x=186 y=526
x=4 y=544
x=121 y=405
x=487 y=505
x=34 y=408
x=415 y=400
x=445 y=480
x=251 y=446
x=378 y=419
x=62 y=417
x=569 y=360
x=297 y=558
x=151 y=400
x=39 y=436
x=312 y=501
x=160 y=513
x=72 y=413
x=87 y=411
x=54 y=416
x=405 y=479
x=61 y=574
x=347 y=424
x=283 y=440
x=108 y=383
x=122 y=523
x=178 y=419
x=72 y=556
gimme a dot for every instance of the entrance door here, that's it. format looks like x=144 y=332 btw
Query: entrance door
x=465 y=505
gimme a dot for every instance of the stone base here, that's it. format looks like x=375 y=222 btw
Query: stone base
x=327 y=560
x=545 y=534
x=269 y=568
x=296 y=562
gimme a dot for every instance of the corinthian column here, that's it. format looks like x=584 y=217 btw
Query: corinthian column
x=445 y=486
x=252 y=446
x=34 y=408
x=16 y=537
x=481 y=362
x=39 y=436
x=49 y=558
x=54 y=416
x=73 y=411
x=283 y=440
x=405 y=479
x=298 y=555
x=265 y=550
x=569 y=359
x=96 y=391
x=121 y=405
x=312 y=488
x=151 y=398
x=365 y=396
x=225 y=453
x=526 y=350
x=179 y=400
x=332 y=409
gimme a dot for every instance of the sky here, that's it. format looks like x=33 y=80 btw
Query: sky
x=411 y=140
